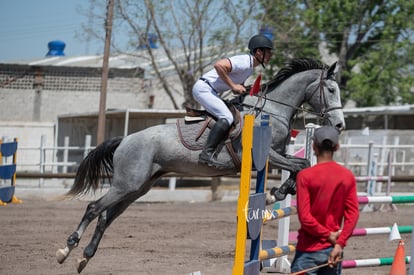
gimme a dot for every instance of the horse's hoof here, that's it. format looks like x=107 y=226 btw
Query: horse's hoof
x=82 y=264
x=270 y=198
x=279 y=196
x=288 y=187
x=62 y=254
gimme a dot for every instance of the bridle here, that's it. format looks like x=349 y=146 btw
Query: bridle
x=323 y=114
x=322 y=97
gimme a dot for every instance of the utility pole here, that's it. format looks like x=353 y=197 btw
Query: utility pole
x=104 y=81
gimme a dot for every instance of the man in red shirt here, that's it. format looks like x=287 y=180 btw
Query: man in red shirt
x=328 y=208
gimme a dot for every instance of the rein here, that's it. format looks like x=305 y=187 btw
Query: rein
x=322 y=100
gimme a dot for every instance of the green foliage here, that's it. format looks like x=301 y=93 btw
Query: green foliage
x=293 y=38
x=373 y=41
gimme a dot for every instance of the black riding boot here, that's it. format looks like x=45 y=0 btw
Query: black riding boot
x=216 y=135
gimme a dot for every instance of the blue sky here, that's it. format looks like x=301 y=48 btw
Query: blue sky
x=26 y=27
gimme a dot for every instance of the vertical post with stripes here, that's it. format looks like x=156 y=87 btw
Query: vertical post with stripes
x=245 y=176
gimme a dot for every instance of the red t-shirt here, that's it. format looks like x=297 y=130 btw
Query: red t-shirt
x=326 y=201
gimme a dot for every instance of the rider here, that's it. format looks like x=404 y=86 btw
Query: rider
x=228 y=74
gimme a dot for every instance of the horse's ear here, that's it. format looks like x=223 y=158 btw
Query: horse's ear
x=333 y=69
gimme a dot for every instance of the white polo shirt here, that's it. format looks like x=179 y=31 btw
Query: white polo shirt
x=241 y=69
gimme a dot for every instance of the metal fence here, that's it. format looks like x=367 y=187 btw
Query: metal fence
x=362 y=159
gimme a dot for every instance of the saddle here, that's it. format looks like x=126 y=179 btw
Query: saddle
x=194 y=128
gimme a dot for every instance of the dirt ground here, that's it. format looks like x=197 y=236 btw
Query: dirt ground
x=156 y=238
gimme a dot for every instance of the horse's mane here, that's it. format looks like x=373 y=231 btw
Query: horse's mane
x=291 y=67
x=294 y=66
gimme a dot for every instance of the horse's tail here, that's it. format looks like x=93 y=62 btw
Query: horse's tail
x=97 y=164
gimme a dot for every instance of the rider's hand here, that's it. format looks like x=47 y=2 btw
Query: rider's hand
x=239 y=89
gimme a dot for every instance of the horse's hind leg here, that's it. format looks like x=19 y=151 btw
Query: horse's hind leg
x=92 y=211
x=74 y=238
x=104 y=220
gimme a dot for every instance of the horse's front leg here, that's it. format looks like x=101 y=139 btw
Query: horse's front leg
x=290 y=163
x=73 y=240
x=293 y=165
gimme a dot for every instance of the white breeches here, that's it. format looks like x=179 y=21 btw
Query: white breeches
x=209 y=99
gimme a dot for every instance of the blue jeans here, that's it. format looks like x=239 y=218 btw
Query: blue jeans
x=305 y=260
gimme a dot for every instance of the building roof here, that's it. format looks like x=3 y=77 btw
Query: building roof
x=139 y=59
x=380 y=110
x=88 y=61
x=125 y=115
x=141 y=113
x=122 y=62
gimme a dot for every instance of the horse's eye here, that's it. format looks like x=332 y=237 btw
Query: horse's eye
x=331 y=90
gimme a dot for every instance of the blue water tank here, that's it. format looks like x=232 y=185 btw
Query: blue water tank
x=56 y=48
x=152 y=41
x=267 y=31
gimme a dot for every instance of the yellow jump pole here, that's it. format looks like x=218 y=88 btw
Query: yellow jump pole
x=245 y=176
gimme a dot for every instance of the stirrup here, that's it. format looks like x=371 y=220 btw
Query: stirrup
x=210 y=160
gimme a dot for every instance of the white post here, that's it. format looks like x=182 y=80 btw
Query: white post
x=394 y=158
x=389 y=172
x=370 y=189
x=171 y=183
x=373 y=173
x=42 y=158
x=370 y=173
x=388 y=206
x=65 y=154
x=412 y=253
x=126 y=124
x=309 y=155
x=282 y=263
x=88 y=140
x=380 y=166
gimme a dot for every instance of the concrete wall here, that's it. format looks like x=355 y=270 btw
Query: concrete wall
x=33 y=97
x=29 y=136
x=33 y=93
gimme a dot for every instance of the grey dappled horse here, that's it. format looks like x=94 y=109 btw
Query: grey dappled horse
x=138 y=160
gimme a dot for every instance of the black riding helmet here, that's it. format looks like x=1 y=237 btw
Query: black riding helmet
x=259 y=41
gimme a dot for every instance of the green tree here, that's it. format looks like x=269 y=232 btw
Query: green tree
x=373 y=42
x=292 y=37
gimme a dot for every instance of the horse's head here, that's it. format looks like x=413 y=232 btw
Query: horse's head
x=325 y=98
x=302 y=80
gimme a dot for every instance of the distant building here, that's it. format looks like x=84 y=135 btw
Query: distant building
x=34 y=95
x=39 y=95
x=58 y=85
